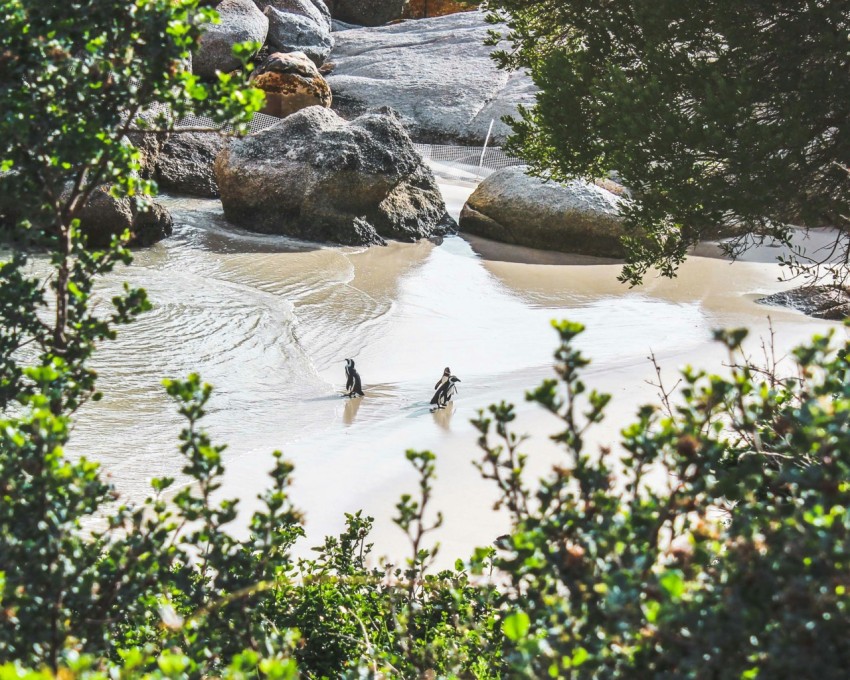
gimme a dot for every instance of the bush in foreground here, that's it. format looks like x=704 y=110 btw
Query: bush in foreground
x=715 y=547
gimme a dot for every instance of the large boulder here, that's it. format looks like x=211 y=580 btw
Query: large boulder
x=185 y=163
x=316 y=177
x=241 y=20
x=821 y=302
x=290 y=32
x=368 y=12
x=291 y=82
x=513 y=207
x=437 y=73
x=105 y=216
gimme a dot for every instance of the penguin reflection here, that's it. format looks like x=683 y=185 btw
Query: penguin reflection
x=353 y=386
x=443 y=416
x=349 y=413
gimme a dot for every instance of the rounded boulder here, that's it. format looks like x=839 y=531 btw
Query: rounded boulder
x=317 y=177
x=291 y=82
x=104 y=216
x=513 y=207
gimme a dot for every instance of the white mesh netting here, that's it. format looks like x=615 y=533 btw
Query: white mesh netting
x=465 y=162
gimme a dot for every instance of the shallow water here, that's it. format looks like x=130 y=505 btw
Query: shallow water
x=268 y=321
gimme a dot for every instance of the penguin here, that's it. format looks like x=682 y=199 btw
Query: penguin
x=352 y=380
x=447 y=373
x=445 y=392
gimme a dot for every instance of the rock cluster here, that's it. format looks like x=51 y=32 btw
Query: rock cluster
x=277 y=25
x=317 y=177
x=512 y=207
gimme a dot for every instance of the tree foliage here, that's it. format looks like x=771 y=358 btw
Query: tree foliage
x=720 y=116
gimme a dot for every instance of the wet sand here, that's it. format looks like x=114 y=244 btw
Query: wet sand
x=268 y=322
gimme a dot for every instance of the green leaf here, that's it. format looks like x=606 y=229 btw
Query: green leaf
x=580 y=655
x=673 y=582
x=516 y=626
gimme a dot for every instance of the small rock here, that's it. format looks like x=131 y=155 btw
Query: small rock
x=822 y=302
x=291 y=82
x=316 y=177
x=513 y=207
x=241 y=20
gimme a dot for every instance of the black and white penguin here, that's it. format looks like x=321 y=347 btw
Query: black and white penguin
x=445 y=391
x=352 y=380
x=447 y=373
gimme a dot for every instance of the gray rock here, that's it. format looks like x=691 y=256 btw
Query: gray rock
x=148 y=144
x=241 y=20
x=104 y=216
x=822 y=302
x=368 y=12
x=316 y=177
x=512 y=207
x=312 y=9
x=185 y=163
x=337 y=25
x=436 y=73
x=324 y=11
x=290 y=32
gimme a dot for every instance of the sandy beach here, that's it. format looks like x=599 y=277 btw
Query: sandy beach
x=269 y=321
